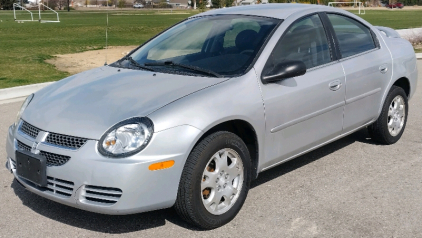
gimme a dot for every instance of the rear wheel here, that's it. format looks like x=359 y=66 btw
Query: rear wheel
x=390 y=125
x=215 y=181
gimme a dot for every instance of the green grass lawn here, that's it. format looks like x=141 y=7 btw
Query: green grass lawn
x=25 y=46
x=396 y=19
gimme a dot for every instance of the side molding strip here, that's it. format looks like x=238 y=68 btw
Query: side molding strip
x=350 y=100
x=304 y=118
x=322 y=111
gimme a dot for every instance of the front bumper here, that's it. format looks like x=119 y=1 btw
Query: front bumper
x=127 y=185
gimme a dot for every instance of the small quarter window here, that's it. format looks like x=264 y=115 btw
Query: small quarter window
x=353 y=36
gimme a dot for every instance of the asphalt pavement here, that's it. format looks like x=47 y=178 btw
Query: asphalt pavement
x=350 y=188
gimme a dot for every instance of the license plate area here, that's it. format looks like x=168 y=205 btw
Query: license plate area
x=32 y=167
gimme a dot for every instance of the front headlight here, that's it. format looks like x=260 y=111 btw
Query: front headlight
x=126 y=138
x=23 y=107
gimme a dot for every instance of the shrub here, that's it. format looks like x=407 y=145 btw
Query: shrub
x=121 y=3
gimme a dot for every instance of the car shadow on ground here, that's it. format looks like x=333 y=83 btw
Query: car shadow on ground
x=361 y=136
x=137 y=222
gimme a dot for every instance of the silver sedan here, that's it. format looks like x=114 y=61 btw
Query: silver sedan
x=189 y=118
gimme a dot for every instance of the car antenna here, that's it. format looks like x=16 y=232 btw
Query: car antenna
x=106 y=45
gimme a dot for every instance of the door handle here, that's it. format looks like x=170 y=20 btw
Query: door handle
x=335 y=85
x=383 y=68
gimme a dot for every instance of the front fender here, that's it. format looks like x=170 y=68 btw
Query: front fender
x=235 y=99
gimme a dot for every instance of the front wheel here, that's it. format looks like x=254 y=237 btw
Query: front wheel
x=389 y=127
x=215 y=181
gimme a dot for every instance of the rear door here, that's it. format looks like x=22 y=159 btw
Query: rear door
x=368 y=68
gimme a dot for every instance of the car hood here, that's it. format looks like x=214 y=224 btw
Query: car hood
x=87 y=104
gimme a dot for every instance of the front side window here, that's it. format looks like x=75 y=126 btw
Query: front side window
x=353 y=36
x=222 y=44
x=306 y=41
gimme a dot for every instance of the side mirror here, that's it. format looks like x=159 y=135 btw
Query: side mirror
x=285 y=70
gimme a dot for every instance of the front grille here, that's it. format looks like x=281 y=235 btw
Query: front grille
x=55 y=159
x=52 y=159
x=59 y=187
x=24 y=147
x=65 y=141
x=101 y=195
x=29 y=129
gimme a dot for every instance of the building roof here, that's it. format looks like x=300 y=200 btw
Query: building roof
x=274 y=10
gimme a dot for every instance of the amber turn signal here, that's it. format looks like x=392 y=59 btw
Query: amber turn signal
x=161 y=165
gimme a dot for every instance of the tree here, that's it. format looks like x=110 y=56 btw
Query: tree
x=121 y=3
x=229 y=3
x=61 y=4
x=51 y=4
x=192 y=3
x=163 y=4
x=202 y=4
x=218 y=3
x=7 y=4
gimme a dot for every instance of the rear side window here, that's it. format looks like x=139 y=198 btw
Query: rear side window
x=353 y=36
x=306 y=41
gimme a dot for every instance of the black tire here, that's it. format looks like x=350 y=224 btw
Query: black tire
x=379 y=129
x=189 y=203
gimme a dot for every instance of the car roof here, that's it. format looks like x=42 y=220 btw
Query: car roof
x=274 y=10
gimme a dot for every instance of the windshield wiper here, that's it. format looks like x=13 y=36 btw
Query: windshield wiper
x=134 y=63
x=191 y=67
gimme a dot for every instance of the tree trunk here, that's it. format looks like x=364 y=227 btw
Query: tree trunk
x=194 y=4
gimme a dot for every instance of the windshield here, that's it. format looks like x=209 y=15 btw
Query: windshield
x=223 y=45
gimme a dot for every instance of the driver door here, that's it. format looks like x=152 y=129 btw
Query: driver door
x=305 y=111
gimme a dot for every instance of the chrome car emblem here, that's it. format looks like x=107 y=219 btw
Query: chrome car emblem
x=34 y=149
x=42 y=135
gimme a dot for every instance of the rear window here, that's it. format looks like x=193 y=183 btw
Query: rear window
x=353 y=36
